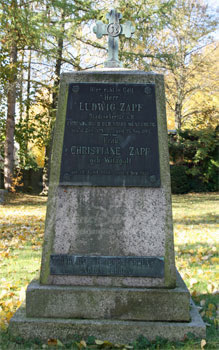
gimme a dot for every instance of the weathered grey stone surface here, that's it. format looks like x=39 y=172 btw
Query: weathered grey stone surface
x=109 y=303
x=114 y=220
x=102 y=29
x=112 y=330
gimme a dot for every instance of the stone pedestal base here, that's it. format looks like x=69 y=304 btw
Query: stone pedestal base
x=114 y=314
x=113 y=330
x=80 y=302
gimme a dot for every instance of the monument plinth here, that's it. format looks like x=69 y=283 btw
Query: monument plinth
x=110 y=184
x=108 y=267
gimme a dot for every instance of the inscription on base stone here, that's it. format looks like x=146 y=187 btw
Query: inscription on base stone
x=110 y=136
x=64 y=264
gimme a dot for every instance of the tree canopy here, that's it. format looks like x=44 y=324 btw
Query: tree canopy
x=40 y=39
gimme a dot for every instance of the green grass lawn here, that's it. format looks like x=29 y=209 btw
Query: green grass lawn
x=196 y=245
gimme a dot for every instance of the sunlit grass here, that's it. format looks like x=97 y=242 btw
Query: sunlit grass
x=196 y=227
x=21 y=233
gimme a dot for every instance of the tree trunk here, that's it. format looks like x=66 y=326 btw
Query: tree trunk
x=57 y=72
x=177 y=116
x=46 y=168
x=45 y=176
x=27 y=117
x=10 y=122
x=20 y=97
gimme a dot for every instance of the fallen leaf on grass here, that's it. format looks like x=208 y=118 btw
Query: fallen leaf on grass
x=52 y=341
x=212 y=287
x=203 y=343
x=59 y=343
x=208 y=313
x=9 y=316
x=211 y=307
x=195 y=293
x=83 y=343
x=202 y=302
x=104 y=344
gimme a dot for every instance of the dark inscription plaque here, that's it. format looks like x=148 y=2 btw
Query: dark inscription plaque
x=79 y=265
x=110 y=136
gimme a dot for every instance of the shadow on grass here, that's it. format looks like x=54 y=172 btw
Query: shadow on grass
x=203 y=219
x=197 y=248
x=16 y=199
x=196 y=197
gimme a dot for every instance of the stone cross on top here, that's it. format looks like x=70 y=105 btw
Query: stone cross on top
x=113 y=30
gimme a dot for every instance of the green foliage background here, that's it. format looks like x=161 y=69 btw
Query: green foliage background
x=194 y=155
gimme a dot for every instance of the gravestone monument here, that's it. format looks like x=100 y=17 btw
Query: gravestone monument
x=108 y=267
